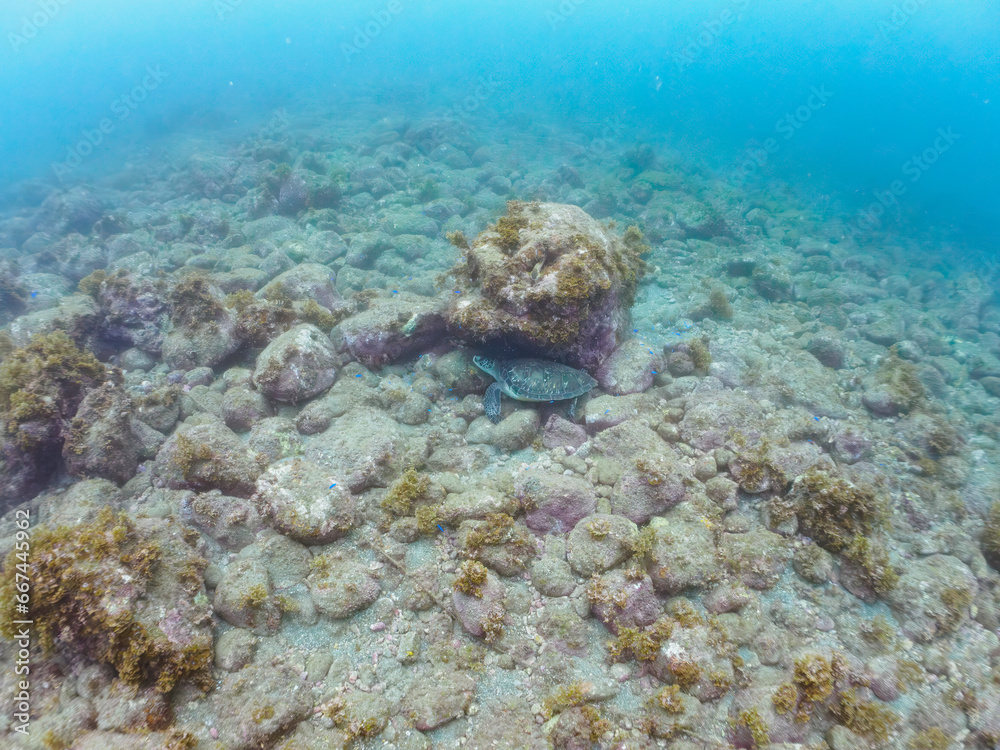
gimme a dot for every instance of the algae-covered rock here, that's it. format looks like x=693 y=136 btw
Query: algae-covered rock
x=894 y=388
x=123 y=707
x=773 y=282
x=76 y=315
x=623 y=444
x=306 y=281
x=456 y=372
x=604 y=412
x=119 y=591
x=683 y=553
x=695 y=658
x=757 y=558
x=242 y=408
x=41 y=388
x=651 y=485
x=550 y=280
x=557 y=502
x=203 y=330
x=559 y=432
x=297 y=365
x=833 y=511
x=259 y=704
x=233 y=522
x=477 y=504
x=234 y=649
x=699 y=219
x=101 y=442
x=341 y=586
x=160 y=408
x=623 y=599
x=134 y=312
x=109 y=740
x=933 y=596
x=629 y=369
x=829 y=350
x=305 y=502
x=563 y=627
x=273 y=439
x=245 y=598
x=553 y=576
x=710 y=418
x=207 y=456
x=438 y=696
x=516 y=432
x=499 y=542
x=364 y=446
x=517 y=729
x=478 y=598
x=600 y=542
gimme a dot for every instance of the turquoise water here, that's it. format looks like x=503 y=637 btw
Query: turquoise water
x=716 y=76
x=254 y=494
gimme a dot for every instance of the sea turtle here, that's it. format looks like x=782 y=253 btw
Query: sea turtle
x=531 y=380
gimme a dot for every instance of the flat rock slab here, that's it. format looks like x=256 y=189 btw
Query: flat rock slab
x=393 y=328
x=438 y=697
x=557 y=501
x=305 y=502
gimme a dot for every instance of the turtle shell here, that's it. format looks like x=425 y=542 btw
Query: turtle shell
x=541 y=380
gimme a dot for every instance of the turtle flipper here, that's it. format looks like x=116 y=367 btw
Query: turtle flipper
x=491 y=402
x=571 y=413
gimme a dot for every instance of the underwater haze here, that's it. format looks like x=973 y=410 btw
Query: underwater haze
x=549 y=375
x=722 y=76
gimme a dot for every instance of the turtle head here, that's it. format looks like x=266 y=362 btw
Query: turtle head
x=486 y=364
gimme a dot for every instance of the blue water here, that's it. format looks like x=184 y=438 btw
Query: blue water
x=718 y=78
x=181 y=182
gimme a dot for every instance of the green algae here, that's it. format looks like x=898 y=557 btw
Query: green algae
x=75 y=572
x=834 y=511
x=45 y=382
x=472 y=576
x=869 y=719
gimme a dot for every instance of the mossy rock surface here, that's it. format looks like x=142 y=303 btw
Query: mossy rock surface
x=41 y=387
x=118 y=591
x=550 y=280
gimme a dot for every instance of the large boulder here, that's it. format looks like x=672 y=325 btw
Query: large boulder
x=392 y=328
x=297 y=365
x=305 y=502
x=100 y=441
x=306 y=281
x=203 y=330
x=207 y=456
x=123 y=591
x=548 y=279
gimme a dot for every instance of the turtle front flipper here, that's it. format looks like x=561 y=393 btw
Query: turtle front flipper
x=491 y=402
